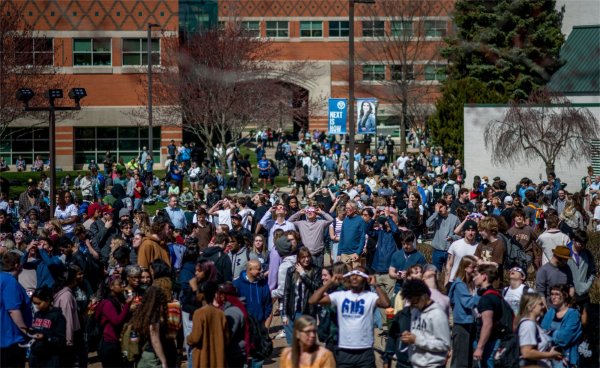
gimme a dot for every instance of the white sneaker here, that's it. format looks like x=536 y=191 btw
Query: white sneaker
x=280 y=335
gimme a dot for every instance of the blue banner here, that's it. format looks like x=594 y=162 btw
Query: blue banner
x=337 y=116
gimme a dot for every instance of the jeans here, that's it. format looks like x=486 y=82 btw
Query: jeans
x=12 y=356
x=439 y=258
x=334 y=251
x=318 y=259
x=289 y=328
x=487 y=359
x=137 y=204
x=187 y=329
x=354 y=358
x=463 y=336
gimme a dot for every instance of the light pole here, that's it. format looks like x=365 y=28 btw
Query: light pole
x=76 y=94
x=149 y=57
x=352 y=121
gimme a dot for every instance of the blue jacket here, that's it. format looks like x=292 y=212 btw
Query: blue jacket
x=44 y=267
x=462 y=302
x=257 y=295
x=386 y=246
x=352 y=236
x=568 y=335
x=401 y=263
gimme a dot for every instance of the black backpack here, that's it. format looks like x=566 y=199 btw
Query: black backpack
x=449 y=189
x=261 y=345
x=509 y=351
x=93 y=329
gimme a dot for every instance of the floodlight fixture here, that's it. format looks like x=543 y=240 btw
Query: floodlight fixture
x=77 y=94
x=54 y=93
x=25 y=95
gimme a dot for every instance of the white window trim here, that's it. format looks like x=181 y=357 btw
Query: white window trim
x=92 y=53
x=141 y=53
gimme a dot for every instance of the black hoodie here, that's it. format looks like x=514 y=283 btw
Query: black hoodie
x=222 y=263
x=53 y=326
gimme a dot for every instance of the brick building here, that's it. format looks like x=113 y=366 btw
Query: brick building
x=102 y=46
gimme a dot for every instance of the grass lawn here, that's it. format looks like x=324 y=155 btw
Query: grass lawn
x=18 y=180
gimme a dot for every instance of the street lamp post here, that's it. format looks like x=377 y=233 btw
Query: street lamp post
x=352 y=121
x=149 y=56
x=76 y=94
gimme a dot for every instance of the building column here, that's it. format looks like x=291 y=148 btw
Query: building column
x=168 y=133
x=65 y=152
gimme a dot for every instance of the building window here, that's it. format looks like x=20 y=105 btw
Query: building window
x=251 y=27
x=135 y=51
x=373 y=72
x=338 y=28
x=402 y=28
x=400 y=71
x=93 y=142
x=435 y=72
x=435 y=28
x=277 y=28
x=25 y=142
x=375 y=28
x=35 y=51
x=311 y=29
x=92 y=52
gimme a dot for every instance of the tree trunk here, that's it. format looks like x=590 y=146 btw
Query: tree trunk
x=549 y=168
x=403 y=117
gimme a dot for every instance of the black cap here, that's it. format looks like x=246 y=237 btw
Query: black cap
x=470 y=225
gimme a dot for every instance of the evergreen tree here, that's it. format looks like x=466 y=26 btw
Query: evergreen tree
x=446 y=125
x=510 y=45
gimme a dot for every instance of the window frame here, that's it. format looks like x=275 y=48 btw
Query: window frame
x=340 y=29
x=434 y=26
x=311 y=31
x=399 y=68
x=436 y=72
x=402 y=32
x=279 y=32
x=33 y=52
x=118 y=135
x=372 y=73
x=142 y=53
x=255 y=33
x=92 y=52
x=369 y=28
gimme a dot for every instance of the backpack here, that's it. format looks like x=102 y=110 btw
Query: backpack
x=261 y=345
x=130 y=343
x=449 y=189
x=515 y=256
x=509 y=351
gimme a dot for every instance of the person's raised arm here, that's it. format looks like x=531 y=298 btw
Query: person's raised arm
x=213 y=210
x=383 y=301
x=320 y=296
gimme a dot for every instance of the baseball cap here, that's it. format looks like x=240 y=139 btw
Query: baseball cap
x=508 y=199
x=107 y=209
x=236 y=216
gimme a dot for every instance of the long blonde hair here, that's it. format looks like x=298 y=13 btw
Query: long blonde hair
x=300 y=324
x=528 y=300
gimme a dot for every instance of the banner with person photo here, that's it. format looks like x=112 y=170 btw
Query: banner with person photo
x=366 y=112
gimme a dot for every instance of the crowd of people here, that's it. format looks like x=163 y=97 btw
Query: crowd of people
x=453 y=271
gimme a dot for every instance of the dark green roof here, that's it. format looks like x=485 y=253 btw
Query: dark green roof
x=581 y=73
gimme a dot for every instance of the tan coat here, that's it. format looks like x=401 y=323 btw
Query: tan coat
x=208 y=337
x=151 y=249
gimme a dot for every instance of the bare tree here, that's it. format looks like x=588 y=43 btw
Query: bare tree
x=221 y=81
x=26 y=60
x=411 y=53
x=547 y=125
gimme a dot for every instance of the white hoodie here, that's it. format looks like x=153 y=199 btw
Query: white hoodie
x=432 y=331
